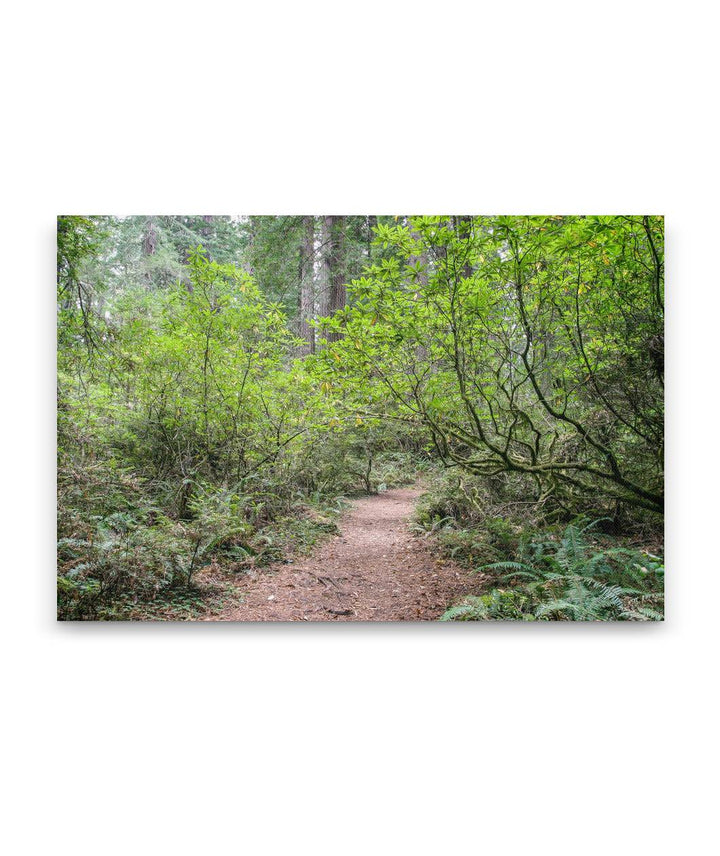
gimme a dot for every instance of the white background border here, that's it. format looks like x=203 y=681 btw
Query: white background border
x=359 y=739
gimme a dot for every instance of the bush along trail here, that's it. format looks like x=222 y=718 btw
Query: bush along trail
x=374 y=570
x=227 y=384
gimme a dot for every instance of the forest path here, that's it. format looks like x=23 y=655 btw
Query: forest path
x=374 y=570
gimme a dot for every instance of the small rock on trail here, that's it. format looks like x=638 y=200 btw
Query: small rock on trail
x=374 y=570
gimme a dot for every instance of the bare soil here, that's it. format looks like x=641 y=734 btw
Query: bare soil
x=374 y=570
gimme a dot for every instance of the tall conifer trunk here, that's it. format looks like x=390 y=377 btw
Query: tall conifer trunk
x=307 y=286
x=331 y=280
x=338 y=293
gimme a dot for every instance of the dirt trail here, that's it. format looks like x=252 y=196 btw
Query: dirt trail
x=374 y=570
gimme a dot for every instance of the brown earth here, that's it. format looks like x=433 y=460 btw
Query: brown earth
x=374 y=570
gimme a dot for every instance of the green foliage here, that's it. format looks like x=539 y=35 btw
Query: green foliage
x=526 y=345
x=197 y=438
x=501 y=605
x=473 y=520
x=570 y=580
x=124 y=552
x=179 y=451
x=79 y=239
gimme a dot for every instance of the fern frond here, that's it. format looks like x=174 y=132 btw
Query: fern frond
x=531 y=575
x=556 y=606
x=503 y=566
x=465 y=611
x=594 y=523
x=644 y=613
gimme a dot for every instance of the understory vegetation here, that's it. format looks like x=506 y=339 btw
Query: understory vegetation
x=534 y=563
x=225 y=385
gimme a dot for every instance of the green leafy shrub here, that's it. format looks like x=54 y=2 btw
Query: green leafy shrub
x=570 y=580
x=124 y=550
x=466 y=516
x=499 y=604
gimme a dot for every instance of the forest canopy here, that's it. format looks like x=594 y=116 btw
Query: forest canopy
x=226 y=383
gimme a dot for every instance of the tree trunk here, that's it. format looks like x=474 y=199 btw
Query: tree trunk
x=338 y=293
x=149 y=246
x=307 y=286
x=331 y=294
x=325 y=270
x=150 y=238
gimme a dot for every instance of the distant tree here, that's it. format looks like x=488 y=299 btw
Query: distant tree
x=332 y=295
x=307 y=286
x=336 y=258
